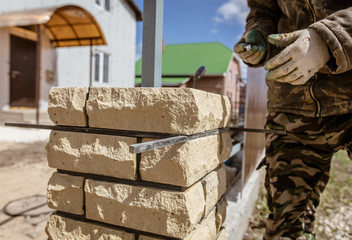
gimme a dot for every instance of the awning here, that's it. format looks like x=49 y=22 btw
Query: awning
x=68 y=25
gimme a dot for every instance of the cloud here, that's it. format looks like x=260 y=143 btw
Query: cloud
x=214 y=31
x=232 y=10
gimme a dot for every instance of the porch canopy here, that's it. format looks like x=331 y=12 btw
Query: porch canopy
x=68 y=25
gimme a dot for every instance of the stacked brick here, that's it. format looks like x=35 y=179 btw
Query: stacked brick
x=102 y=191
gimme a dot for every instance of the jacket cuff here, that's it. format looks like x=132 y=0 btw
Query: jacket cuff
x=338 y=42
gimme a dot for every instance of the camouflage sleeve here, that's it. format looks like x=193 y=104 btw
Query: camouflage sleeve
x=264 y=16
x=336 y=30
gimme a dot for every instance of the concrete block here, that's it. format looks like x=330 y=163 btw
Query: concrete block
x=220 y=214
x=221 y=234
x=67 y=106
x=214 y=185
x=65 y=193
x=63 y=228
x=165 y=110
x=163 y=212
x=185 y=163
x=90 y=153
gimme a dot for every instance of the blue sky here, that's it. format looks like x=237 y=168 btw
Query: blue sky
x=195 y=21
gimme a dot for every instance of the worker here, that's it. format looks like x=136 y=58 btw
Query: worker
x=306 y=48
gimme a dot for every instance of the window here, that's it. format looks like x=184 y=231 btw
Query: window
x=237 y=78
x=106 y=69
x=103 y=4
x=96 y=67
x=107 y=5
x=230 y=76
x=101 y=67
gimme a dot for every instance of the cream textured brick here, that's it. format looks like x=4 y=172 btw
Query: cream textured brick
x=165 y=110
x=220 y=214
x=184 y=164
x=222 y=234
x=163 y=212
x=205 y=230
x=63 y=228
x=214 y=185
x=65 y=193
x=90 y=153
x=67 y=106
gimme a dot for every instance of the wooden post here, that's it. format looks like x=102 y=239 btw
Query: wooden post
x=152 y=43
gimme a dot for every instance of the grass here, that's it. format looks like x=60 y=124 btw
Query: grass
x=336 y=198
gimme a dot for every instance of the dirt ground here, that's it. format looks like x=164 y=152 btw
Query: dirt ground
x=23 y=173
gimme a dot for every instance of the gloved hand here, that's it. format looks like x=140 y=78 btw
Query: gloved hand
x=305 y=54
x=253 y=49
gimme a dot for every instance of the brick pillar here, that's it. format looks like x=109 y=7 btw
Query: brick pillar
x=102 y=191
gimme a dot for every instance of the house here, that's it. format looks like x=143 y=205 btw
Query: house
x=223 y=75
x=63 y=43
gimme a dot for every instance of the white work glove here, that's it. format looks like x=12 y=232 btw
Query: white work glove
x=305 y=54
x=252 y=49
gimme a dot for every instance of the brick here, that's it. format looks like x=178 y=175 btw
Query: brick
x=221 y=234
x=220 y=214
x=64 y=228
x=214 y=185
x=205 y=230
x=185 y=163
x=65 y=193
x=67 y=106
x=164 y=110
x=163 y=212
x=90 y=153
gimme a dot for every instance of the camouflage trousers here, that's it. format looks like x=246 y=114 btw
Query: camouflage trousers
x=297 y=169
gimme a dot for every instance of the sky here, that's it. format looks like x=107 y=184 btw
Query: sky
x=197 y=21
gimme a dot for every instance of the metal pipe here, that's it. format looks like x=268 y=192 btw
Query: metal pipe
x=152 y=43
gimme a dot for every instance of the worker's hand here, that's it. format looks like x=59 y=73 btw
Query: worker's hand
x=252 y=49
x=305 y=54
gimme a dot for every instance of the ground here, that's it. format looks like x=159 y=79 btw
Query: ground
x=333 y=220
x=23 y=173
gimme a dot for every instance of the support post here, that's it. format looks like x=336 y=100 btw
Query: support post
x=38 y=67
x=152 y=43
x=90 y=62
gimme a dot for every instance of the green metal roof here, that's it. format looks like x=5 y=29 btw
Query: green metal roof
x=185 y=59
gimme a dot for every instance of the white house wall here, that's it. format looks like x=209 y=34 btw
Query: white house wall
x=48 y=63
x=119 y=28
x=4 y=67
x=72 y=65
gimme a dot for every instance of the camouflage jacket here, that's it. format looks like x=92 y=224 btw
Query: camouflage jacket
x=329 y=92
